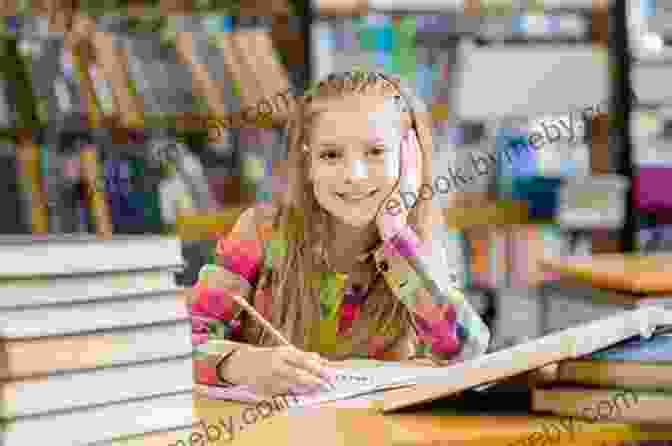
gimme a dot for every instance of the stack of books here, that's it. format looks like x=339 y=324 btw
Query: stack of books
x=95 y=339
x=628 y=382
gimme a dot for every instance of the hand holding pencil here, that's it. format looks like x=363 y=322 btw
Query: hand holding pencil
x=271 y=370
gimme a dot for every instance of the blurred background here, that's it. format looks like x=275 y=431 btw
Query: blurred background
x=104 y=105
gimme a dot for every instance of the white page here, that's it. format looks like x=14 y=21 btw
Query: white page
x=349 y=382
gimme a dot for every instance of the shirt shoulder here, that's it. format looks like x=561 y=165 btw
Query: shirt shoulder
x=241 y=251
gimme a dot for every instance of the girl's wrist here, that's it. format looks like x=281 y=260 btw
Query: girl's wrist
x=223 y=367
x=404 y=242
x=390 y=228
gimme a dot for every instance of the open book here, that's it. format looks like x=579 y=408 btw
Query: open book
x=370 y=376
x=407 y=386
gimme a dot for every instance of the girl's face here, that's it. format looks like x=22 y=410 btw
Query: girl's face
x=354 y=156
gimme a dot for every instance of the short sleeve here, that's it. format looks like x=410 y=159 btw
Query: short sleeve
x=214 y=314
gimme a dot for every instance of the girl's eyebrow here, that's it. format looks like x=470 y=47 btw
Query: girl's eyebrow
x=337 y=145
x=330 y=145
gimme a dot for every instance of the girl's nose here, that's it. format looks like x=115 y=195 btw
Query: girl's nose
x=357 y=169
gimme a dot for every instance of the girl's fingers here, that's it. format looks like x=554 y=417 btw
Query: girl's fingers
x=284 y=386
x=325 y=365
x=301 y=378
x=310 y=363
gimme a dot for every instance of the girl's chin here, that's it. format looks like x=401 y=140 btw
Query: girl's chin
x=354 y=220
x=357 y=223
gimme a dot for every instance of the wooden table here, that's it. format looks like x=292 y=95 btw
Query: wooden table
x=343 y=426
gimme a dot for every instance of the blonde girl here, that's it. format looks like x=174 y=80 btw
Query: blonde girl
x=337 y=263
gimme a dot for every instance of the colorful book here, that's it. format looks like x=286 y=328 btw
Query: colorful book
x=16 y=73
x=15 y=220
x=479 y=253
x=633 y=364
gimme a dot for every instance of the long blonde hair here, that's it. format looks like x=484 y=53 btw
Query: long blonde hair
x=302 y=223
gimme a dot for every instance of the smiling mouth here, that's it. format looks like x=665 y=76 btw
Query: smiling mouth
x=352 y=198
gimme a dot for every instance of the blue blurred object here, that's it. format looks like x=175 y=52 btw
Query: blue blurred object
x=425 y=81
x=12 y=24
x=541 y=193
x=515 y=158
x=648 y=7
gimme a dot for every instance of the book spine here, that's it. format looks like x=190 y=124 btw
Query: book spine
x=97 y=197
x=554 y=243
x=28 y=157
x=479 y=249
x=15 y=222
x=91 y=175
x=518 y=259
x=466 y=250
x=499 y=255
x=535 y=251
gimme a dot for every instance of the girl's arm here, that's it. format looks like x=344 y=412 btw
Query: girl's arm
x=449 y=329
x=215 y=316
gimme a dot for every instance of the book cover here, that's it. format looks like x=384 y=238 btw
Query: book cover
x=656 y=349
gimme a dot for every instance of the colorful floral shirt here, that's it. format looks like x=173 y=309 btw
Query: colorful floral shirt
x=446 y=326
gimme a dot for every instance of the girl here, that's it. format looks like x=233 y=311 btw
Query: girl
x=338 y=264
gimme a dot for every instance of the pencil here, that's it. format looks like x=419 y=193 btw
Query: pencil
x=267 y=325
x=208 y=277
x=259 y=318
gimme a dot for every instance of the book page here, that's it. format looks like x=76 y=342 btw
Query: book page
x=355 y=379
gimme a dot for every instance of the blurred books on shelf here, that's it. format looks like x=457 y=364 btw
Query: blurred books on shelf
x=643 y=274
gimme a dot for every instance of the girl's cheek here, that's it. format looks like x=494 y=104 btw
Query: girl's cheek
x=325 y=175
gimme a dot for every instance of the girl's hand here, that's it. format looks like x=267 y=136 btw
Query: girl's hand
x=278 y=370
x=390 y=219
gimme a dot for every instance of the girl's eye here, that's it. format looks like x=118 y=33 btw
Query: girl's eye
x=330 y=155
x=378 y=151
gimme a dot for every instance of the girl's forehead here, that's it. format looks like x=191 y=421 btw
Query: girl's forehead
x=364 y=117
